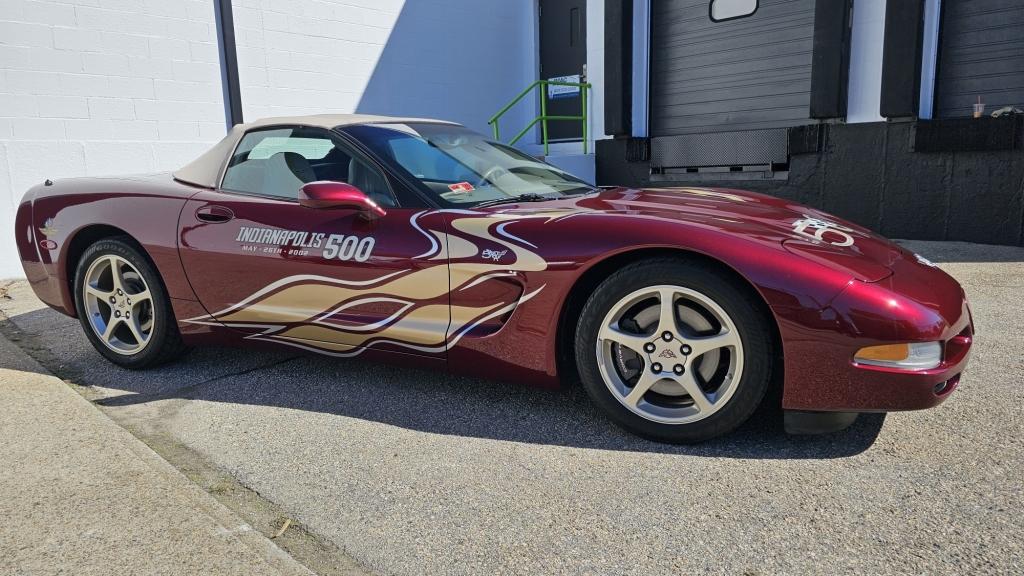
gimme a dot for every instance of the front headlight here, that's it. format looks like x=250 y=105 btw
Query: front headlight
x=909 y=356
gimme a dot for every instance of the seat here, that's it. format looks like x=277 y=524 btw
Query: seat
x=285 y=173
x=333 y=166
x=371 y=182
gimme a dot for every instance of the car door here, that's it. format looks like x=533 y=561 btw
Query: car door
x=332 y=280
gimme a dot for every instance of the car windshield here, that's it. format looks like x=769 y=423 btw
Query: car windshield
x=459 y=167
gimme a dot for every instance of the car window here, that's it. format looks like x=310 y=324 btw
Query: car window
x=310 y=148
x=278 y=161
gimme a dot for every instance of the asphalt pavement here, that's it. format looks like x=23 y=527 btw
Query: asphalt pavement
x=410 y=472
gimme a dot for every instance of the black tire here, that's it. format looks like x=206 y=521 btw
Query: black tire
x=754 y=330
x=164 y=343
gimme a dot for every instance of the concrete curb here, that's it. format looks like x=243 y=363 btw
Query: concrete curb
x=47 y=543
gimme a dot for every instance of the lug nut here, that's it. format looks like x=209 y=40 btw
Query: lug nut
x=113 y=300
x=120 y=292
x=127 y=314
x=678 y=369
x=656 y=367
x=649 y=347
x=685 y=349
x=667 y=336
x=117 y=313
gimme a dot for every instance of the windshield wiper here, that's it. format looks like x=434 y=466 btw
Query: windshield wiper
x=587 y=190
x=530 y=197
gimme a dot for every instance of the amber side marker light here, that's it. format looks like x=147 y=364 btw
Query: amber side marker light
x=909 y=356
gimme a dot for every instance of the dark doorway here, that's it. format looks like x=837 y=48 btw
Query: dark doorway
x=563 y=56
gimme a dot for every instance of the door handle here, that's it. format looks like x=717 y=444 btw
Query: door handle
x=214 y=214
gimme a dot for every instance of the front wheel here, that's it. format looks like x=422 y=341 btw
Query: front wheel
x=674 y=350
x=123 y=306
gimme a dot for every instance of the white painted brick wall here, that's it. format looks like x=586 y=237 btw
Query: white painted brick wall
x=92 y=87
x=459 y=60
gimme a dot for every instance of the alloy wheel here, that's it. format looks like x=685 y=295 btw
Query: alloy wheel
x=119 y=304
x=670 y=354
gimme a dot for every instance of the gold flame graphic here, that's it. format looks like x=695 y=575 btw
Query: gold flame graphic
x=280 y=311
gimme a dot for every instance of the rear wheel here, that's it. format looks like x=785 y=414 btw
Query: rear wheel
x=673 y=350
x=123 y=306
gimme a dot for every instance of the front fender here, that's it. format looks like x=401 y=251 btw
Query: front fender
x=526 y=347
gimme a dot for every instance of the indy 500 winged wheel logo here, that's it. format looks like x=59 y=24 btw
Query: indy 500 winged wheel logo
x=280 y=312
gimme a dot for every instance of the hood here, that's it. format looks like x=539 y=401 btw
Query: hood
x=799 y=229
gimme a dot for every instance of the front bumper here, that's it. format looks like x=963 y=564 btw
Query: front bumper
x=887 y=389
x=821 y=375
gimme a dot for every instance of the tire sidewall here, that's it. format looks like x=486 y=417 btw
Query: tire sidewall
x=163 y=319
x=753 y=329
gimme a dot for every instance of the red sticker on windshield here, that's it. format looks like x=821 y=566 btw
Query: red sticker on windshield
x=461 y=187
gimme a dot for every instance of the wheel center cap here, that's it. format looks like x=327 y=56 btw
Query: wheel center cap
x=667 y=354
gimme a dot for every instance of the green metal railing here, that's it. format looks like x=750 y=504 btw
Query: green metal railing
x=544 y=118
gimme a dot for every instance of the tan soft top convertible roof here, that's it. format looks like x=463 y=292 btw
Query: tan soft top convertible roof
x=205 y=170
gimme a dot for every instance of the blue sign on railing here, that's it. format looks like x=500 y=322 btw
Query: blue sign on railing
x=556 y=91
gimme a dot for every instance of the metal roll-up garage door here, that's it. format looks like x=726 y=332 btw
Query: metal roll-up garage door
x=723 y=93
x=981 y=54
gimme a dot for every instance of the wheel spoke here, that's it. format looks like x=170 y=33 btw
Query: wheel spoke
x=139 y=298
x=115 y=273
x=646 y=381
x=99 y=294
x=705 y=344
x=634 y=342
x=136 y=330
x=667 y=311
x=112 y=323
x=689 y=383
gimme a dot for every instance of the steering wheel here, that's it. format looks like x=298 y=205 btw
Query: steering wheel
x=491 y=175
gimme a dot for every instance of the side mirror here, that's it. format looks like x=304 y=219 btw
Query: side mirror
x=326 y=194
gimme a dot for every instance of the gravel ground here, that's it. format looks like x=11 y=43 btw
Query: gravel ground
x=415 y=472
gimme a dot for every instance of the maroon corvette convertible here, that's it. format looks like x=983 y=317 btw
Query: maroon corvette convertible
x=422 y=242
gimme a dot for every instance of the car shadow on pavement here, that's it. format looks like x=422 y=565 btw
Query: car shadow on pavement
x=426 y=401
